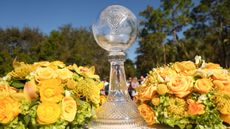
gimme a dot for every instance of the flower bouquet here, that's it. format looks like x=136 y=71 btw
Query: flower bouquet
x=186 y=94
x=48 y=95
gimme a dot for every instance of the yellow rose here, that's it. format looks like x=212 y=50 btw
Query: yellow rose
x=64 y=73
x=71 y=84
x=48 y=113
x=6 y=90
x=146 y=93
x=185 y=67
x=9 y=109
x=69 y=108
x=51 y=90
x=102 y=99
x=44 y=73
x=155 y=101
x=224 y=109
x=147 y=113
x=57 y=64
x=203 y=85
x=222 y=101
x=41 y=64
x=180 y=85
x=162 y=89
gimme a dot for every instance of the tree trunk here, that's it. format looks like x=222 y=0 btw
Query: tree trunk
x=174 y=37
x=164 y=54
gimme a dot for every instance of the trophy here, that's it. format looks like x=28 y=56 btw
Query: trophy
x=115 y=31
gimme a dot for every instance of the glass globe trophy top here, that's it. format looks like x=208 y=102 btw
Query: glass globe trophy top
x=115 y=31
x=116 y=28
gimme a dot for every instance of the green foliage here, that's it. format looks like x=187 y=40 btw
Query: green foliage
x=205 y=27
x=210 y=29
x=67 y=44
x=130 y=70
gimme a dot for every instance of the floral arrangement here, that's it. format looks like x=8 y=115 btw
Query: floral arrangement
x=48 y=95
x=186 y=94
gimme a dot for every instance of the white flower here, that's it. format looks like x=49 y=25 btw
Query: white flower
x=203 y=97
x=165 y=114
x=67 y=93
x=159 y=78
x=197 y=59
x=7 y=77
x=203 y=64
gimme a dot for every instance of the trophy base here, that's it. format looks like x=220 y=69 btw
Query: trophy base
x=118 y=115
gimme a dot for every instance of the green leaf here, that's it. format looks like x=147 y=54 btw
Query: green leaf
x=17 y=84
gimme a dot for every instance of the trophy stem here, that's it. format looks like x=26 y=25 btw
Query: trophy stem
x=119 y=111
x=118 y=89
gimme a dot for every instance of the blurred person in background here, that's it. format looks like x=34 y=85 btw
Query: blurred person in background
x=142 y=80
x=134 y=84
x=105 y=90
x=130 y=89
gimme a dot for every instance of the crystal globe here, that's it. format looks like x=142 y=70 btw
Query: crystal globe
x=116 y=28
x=115 y=31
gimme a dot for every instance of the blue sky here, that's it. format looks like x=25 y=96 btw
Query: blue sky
x=52 y=14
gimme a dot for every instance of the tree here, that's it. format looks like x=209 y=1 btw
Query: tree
x=16 y=43
x=156 y=47
x=130 y=69
x=72 y=45
x=176 y=13
x=67 y=44
x=210 y=29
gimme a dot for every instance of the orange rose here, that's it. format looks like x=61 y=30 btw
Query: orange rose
x=145 y=93
x=9 y=109
x=48 y=113
x=212 y=66
x=195 y=108
x=221 y=80
x=89 y=72
x=165 y=73
x=223 y=86
x=203 y=85
x=30 y=89
x=51 y=90
x=180 y=85
x=69 y=108
x=225 y=118
x=185 y=67
x=220 y=75
x=147 y=113
x=44 y=73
